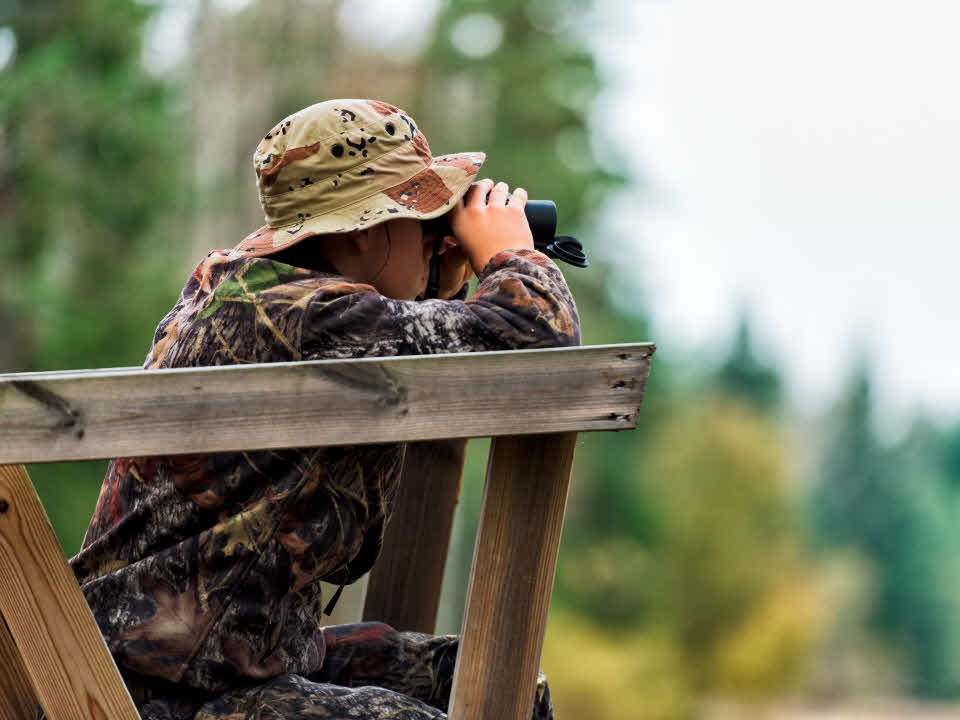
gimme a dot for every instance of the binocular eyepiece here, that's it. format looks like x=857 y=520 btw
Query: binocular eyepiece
x=542 y=216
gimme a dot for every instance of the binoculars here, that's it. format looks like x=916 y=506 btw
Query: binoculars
x=542 y=217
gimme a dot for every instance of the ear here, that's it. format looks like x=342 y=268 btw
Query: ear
x=360 y=241
x=449 y=241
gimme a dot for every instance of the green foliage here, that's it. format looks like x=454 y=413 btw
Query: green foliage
x=89 y=168
x=729 y=545
x=91 y=176
x=898 y=509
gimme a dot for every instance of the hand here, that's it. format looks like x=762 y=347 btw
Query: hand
x=485 y=228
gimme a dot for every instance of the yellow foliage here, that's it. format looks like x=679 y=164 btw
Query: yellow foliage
x=729 y=534
x=603 y=676
x=766 y=652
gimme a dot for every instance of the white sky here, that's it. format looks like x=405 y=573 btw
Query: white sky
x=801 y=157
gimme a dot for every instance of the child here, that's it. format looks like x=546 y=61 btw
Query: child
x=201 y=570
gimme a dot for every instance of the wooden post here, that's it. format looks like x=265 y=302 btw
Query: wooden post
x=514 y=562
x=73 y=673
x=17 y=701
x=404 y=587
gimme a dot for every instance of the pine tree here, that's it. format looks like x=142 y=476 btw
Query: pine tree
x=743 y=376
x=890 y=505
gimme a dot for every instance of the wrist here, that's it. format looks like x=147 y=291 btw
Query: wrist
x=480 y=257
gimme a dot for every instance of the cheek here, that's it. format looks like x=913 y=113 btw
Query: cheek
x=412 y=268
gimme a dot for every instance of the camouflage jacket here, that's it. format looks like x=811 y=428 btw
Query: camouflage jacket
x=200 y=570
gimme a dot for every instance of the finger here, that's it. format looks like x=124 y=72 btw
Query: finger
x=518 y=198
x=477 y=194
x=498 y=196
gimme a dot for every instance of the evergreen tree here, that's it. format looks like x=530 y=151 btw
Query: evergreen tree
x=743 y=376
x=890 y=505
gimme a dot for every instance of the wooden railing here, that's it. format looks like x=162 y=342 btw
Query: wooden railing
x=533 y=403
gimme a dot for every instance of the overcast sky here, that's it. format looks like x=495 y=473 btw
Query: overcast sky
x=801 y=157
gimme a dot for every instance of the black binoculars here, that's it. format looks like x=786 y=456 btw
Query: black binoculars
x=542 y=217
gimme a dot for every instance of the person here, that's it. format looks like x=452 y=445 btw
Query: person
x=202 y=570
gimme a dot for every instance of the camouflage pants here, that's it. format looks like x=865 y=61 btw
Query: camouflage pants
x=371 y=672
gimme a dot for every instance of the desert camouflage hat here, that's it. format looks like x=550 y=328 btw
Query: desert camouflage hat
x=343 y=165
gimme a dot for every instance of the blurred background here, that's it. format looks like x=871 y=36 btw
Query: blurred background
x=768 y=190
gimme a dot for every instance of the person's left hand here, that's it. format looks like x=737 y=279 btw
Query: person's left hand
x=455 y=269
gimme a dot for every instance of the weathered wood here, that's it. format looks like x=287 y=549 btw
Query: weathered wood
x=514 y=562
x=101 y=414
x=404 y=588
x=72 y=671
x=17 y=701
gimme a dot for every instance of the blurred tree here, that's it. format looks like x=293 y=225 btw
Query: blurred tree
x=89 y=174
x=730 y=568
x=513 y=78
x=716 y=580
x=743 y=376
x=604 y=673
x=891 y=505
x=90 y=182
x=948 y=453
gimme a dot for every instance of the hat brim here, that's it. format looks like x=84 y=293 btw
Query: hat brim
x=430 y=193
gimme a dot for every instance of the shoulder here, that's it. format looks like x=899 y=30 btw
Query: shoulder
x=227 y=274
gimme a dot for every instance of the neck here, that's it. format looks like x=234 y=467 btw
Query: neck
x=307 y=254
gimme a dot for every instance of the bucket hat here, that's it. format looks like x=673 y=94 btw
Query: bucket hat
x=343 y=165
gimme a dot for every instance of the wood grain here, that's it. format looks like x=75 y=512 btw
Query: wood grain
x=17 y=701
x=72 y=670
x=404 y=587
x=46 y=417
x=514 y=562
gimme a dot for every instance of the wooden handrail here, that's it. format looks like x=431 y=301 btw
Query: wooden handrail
x=102 y=414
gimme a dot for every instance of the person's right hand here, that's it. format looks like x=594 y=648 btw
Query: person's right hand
x=485 y=228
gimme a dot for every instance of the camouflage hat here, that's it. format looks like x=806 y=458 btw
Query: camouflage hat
x=343 y=165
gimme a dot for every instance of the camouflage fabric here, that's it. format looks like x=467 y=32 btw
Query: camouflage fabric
x=413 y=673
x=343 y=165
x=201 y=570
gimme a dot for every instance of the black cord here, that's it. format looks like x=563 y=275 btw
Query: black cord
x=433 y=285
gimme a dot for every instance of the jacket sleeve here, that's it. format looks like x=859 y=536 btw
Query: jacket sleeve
x=521 y=302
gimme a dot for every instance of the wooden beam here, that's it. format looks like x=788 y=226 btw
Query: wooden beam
x=101 y=414
x=404 y=587
x=72 y=671
x=514 y=563
x=17 y=701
